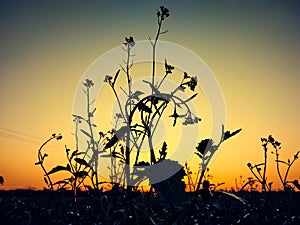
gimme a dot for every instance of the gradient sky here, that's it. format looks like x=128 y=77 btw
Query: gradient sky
x=253 y=48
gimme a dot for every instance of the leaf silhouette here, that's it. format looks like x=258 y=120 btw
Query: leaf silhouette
x=143 y=107
x=136 y=94
x=86 y=133
x=190 y=98
x=118 y=135
x=81 y=174
x=73 y=154
x=44 y=156
x=198 y=154
x=163 y=151
x=82 y=162
x=117 y=155
x=78 y=117
x=115 y=78
x=260 y=164
x=107 y=78
x=91 y=114
x=122 y=150
x=175 y=116
x=228 y=134
x=46 y=180
x=185 y=75
x=59 y=168
x=296 y=183
x=202 y=146
x=168 y=68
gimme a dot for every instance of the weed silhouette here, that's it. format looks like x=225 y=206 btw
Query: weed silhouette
x=261 y=176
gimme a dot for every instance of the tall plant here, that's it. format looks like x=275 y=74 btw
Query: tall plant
x=142 y=112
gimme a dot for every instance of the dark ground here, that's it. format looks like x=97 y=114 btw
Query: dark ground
x=120 y=207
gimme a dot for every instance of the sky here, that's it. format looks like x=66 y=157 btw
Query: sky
x=252 y=47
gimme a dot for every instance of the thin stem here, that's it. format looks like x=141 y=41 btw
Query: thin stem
x=163 y=106
x=196 y=179
x=76 y=133
x=265 y=169
x=139 y=148
x=154 y=50
x=277 y=167
x=247 y=183
x=127 y=158
x=94 y=149
x=259 y=173
x=127 y=147
x=258 y=179
x=162 y=80
x=119 y=103
x=287 y=171
x=127 y=71
x=41 y=160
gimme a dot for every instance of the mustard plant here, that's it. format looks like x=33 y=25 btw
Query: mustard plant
x=283 y=176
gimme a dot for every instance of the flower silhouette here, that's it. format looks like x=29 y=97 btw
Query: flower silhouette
x=129 y=41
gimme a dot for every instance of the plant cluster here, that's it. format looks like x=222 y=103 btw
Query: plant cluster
x=135 y=125
x=259 y=170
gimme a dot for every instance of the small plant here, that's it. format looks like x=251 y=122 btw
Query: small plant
x=251 y=183
x=261 y=176
x=41 y=159
x=1 y=180
x=206 y=149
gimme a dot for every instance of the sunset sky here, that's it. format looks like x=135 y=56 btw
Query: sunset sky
x=252 y=47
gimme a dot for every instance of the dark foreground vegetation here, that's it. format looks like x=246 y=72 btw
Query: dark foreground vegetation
x=46 y=207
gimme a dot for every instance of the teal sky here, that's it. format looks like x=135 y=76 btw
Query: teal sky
x=253 y=47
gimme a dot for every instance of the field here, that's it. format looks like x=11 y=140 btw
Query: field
x=121 y=207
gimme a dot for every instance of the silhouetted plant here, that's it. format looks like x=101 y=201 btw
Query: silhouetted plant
x=206 y=149
x=251 y=184
x=288 y=163
x=256 y=169
x=77 y=167
x=1 y=180
x=95 y=142
x=41 y=158
x=189 y=174
x=148 y=108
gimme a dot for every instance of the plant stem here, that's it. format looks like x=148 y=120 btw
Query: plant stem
x=287 y=172
x=127 y=147
x=162 y=80
x=40 y=157
x=94 y=149
x=265 y=169
x=154 y=50
x=277 y=167
x=119 y=103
